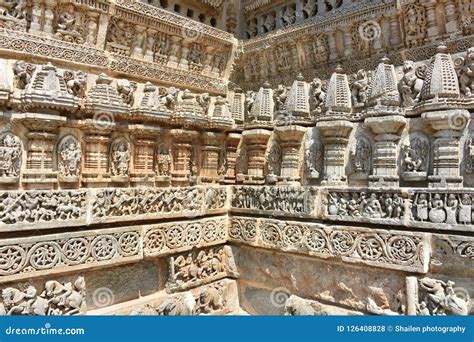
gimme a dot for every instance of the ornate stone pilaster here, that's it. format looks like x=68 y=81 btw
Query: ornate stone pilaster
x=233 y=140
x=42 y=138
x=150 y=42
x=449 y=125
x=96 y=156
x=255 y=141
x=335 y=136
x=387 y=130
x=143 y=154
x=451 y=17
x=347 y=42
x=185 y=158
x=291 y=138
x=332 y=45
x=211 y=150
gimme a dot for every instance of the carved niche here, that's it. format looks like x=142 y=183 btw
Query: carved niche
x=69 y=159
x=361 y=157
x=414 y=17
x=415 y=157
x=10 y=158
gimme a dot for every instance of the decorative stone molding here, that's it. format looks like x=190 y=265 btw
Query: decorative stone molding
x=387 y=249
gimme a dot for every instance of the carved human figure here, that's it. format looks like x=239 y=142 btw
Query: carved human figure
x=416 y=153
x=76 y=82
x=13 y=9
x=120 y=158
x=23 y=72
x=465 y=71
x=411 y=83
x=361 y=155
x=372 y=207
x=359 y=88
x=10 y=155
x=127 y=89
x=316 y=95
x=437 y=213
x=163 y=161
x=421 y=207
x=69 y=157
x=451 y=206
x=465 y=209
x=279 y=97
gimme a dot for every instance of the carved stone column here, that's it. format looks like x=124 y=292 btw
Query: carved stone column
x=36 y=16
x=49 y=16
x=185 y=159
x=387 y=130
x=335 y=135
x=212 y=144
x=150 y=42
x=174 y=51
x=137 y=47
x=431 y=19
x=395 y=37
x=291 y=138
x=347 y=42
x=256 y=144
x=449 y=125
x=451 y=17
x=332 y=45
x=102 y=30
x=233 y=140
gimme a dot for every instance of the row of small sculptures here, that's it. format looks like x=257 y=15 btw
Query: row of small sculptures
x=410 y=84
x=424 y=207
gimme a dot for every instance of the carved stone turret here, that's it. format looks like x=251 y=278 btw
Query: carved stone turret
x=297 y=102
x=383 y=95
x=338 y=97
x=47 y=91
x=103 y=98
x=263 y=106
x=154 y=106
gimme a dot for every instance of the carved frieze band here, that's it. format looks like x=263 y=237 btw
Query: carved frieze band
x=51 y=48
x=388 y=249
x=36 y=209
x=284 y=200
x=424 y=208
x=48 y=254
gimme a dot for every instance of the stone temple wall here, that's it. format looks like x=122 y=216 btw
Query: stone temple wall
x=136 y=178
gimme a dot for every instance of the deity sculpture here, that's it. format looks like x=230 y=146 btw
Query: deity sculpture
x=359 y=88
x=10 y=156
x=69 y=157
x=120 y=158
